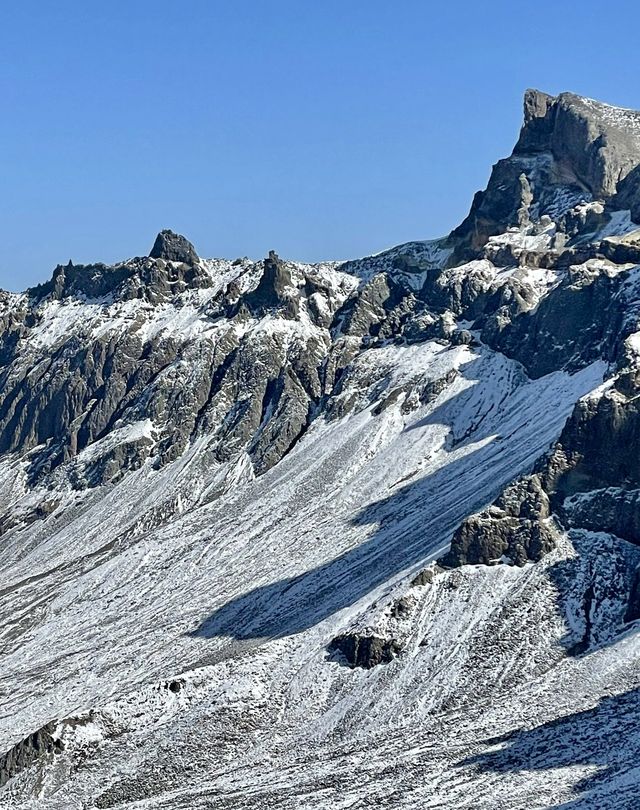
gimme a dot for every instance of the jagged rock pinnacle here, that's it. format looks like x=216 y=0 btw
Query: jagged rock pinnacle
x=173 y=248
x=275 y=288
x=536 y=104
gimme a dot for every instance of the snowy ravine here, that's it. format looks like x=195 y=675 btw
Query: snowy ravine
x=344 y=535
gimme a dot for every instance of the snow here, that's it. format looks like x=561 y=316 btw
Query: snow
x=121 y=434
x=529 y=239
x=620 y=117
x=239 y=596
x=175 y=624
x=426 y=256
x=620 y=224
x=563 y=200
x=485 y=276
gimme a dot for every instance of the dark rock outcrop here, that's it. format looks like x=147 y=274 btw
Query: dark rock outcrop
x=589 y=480
x=366 y=312
x=600 y=144
x=365 y=651
x=274 y=291
x=563 y=331
x=152 y=280
x=598 y=447
x=614 y=510
x=172 y=247
x=515 y=529
x=255 y=392
x=568 y=146
x=37 y=747
x=633 y=604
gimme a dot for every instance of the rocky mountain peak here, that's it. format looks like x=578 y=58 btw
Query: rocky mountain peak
x=536 y=104
x=571 y=150
x=597 y=143
x=173 y=247
x=146 y=277
x=275 y=288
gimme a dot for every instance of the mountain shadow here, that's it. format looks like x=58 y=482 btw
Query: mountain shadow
x=403 y=538
x=407 y=534
x=605 y=737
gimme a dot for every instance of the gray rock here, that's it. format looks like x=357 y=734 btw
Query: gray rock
x=37 y=747
x=424 y=577
x=614 y=510
x=567 y=143
x=561 y=332
x=367 y=310
x=514 y=529
x=275 y=290
x=364 y=651
x=600 y=144
x=173 y=247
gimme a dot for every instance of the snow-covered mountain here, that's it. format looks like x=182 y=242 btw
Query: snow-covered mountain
x=341 y=535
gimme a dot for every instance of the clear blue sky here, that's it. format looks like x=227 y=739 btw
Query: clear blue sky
x=322 y=130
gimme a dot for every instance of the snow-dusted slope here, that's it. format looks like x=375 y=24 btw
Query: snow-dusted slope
x=265 y=575
x=226 y=487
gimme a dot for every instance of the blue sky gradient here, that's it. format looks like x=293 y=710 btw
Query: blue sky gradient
x=321 y=130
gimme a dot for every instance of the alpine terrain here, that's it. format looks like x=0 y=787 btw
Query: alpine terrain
x=341 y=535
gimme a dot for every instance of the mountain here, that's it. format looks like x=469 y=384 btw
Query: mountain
x=349 y=534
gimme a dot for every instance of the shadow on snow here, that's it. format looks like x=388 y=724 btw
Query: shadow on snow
x=605 y=738
x=404 y=538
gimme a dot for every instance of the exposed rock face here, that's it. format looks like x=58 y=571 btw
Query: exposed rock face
x=597 y=447
x=590 y=479
x=94 y=383
x=593 y=473
x=36 y=747
x=365 y=314
x=515 y=529
x=365 y=651
x=152 y=280
x=173 y=247
x=615 y=510
x=576 y=165
x=562 y=332
x=274 y=291
x=568 y=146
x=600 y=144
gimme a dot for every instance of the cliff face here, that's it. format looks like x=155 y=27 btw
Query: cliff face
x=569 y=148
x=595 y=143
x=300 y=534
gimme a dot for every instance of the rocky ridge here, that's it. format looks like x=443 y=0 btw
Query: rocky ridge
x=291 y=438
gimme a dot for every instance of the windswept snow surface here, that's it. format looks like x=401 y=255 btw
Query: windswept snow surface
x=107 y=608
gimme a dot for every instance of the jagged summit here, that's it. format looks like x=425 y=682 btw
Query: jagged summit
x=173 y=247
x=274 y=288
x=598 y=143
x=571 y=150
x=149 y=277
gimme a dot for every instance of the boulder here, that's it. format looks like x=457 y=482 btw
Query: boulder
x=365 y=651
